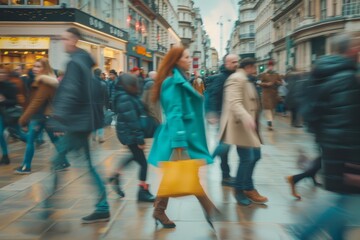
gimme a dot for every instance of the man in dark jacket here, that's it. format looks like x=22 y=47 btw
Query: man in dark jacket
x=105 y=100
x=77 y=111
x=214 y=88
x=111 y=87
x=332 y=113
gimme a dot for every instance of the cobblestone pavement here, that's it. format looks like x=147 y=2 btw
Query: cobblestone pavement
x=22 y=207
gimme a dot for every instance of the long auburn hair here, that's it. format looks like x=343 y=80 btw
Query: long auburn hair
x=46 y=65
x=165 y=69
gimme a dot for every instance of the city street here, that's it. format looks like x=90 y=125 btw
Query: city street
x=23 y=213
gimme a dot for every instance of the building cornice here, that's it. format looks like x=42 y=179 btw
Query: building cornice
x=286 y=10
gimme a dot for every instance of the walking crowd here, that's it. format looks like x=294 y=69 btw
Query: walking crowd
x=173 y=108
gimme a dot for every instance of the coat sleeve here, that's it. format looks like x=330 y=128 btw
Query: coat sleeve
x=41 y=97
x=234 y=94
x=172 y=94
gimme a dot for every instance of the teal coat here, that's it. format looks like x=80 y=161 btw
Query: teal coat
x=183 y=126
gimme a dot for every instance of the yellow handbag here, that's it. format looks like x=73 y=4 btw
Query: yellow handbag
x=181 y=178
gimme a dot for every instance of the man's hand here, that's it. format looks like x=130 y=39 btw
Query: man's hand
x=250 y=123
x=2 y=98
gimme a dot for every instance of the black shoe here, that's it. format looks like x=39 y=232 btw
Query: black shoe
x=115 y=182
x=144 y=195
x=5 y=160
x=229 y=182
x=96 y=217
x=62 y=167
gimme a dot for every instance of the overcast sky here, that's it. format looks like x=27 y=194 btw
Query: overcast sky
x=211 y=11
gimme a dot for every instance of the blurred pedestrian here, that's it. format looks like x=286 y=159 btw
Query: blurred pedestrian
x=129 y=132
x=99 y=133
x=215 y=91
x=238 y=126
x=270 y=81
x=153 y=108
x=36 y=113
x=8 y=99
x=183 y=129
x=198 y=84
x=77 y=111
x=332 y=114
x=113 y=77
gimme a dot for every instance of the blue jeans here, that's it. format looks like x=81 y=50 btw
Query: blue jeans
x=222 y=150
x=73 y=141
x=35 y=128
x=248 y=159
x=2 y=138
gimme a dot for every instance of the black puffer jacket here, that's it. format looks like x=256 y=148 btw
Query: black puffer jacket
x=333 y=114
x=78 y=103
x=127 y=107
x=8 y=90
x=215 y=89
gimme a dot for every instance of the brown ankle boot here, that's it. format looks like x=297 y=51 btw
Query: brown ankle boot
x=255 y=197
x=159 y=215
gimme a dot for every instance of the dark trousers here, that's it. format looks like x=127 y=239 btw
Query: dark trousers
x=248 y=160
x=311 y=172
x=222 y=150
x=74 y=141
x=139 y=157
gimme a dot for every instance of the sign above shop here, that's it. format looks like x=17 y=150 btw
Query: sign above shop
x=61 y=15
x=139 y=51
x=24 y=43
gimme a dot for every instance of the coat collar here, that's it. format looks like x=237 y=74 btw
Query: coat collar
x=178 y=78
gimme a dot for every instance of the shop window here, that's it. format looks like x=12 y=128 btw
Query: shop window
x=24 y=2
x=4 y=2
x=51 y=2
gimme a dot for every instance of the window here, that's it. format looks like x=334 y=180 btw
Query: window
x=251 y=28
x=323 y=9
x=251 y=46
x=351 y=7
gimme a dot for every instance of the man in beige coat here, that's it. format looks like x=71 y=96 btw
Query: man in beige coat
x=238 y=126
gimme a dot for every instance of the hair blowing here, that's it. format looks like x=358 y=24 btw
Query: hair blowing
x=165 y=69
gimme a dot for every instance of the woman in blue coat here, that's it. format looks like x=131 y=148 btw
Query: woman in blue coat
x=183 y=127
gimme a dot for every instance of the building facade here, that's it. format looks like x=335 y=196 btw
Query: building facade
x=32 y=32
x=186 y=21
x=264 y=33
x=304 y=29
x=247 y=16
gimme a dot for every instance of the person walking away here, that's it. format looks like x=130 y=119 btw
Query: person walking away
x=238 y=127
x=105 y=100
x=77 y=111
x=129 y=132
x=332 y=114
x=8 y=99
x=154 y=108
x=215 y=94
x=183 y=128
x=270 y=80
x=36 y=113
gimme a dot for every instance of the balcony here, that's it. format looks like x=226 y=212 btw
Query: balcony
x=247 y=35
